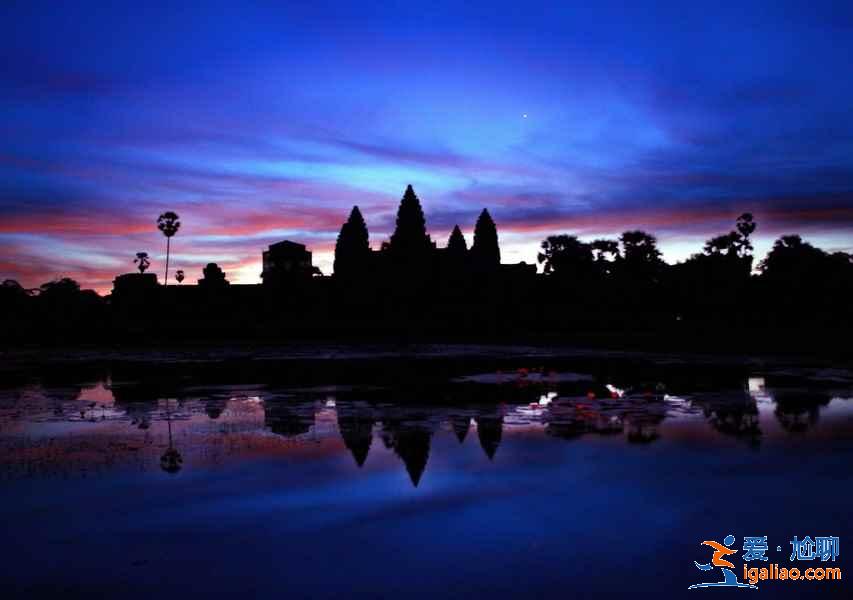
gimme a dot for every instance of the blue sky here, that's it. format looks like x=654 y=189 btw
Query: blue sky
x=260 y=121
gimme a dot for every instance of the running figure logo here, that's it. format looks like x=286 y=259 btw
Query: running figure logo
x=718 y=560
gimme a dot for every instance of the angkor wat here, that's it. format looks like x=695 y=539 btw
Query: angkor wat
x=408 y=285
x=608 y=291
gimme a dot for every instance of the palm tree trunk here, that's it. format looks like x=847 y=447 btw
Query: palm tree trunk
x=166 y=280
x=169 y=421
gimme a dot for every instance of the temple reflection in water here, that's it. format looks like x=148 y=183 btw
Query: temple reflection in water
x=191 y=426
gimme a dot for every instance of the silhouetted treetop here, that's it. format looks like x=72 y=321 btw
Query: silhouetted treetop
x=641 y=263
x=12 y=286
x=842 y=259
x=734 y=244
x=726 y=245
x=640 y=247
x=745 y=226
x=410 y=236
x=456 y=243
x=718 y=276
x=485 y=250
x=565 y=255
x=14 y=304
x=605 y=250
x=11 y=290
x=168 y=223
x=792 y=258
x=605 y=255
x=142 y=261
x=353 y=245
x=59 y=287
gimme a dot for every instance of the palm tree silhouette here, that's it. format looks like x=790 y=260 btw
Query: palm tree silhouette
x=142 y=261
x=179 y=275
x=171 y=461
x=168 y=223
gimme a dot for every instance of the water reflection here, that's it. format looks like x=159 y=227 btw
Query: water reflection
x=408 y=434
x=461 y=424
x=734 y=414
x=213 y=407
x=798 y=410
x=355 y=424
x=288 y=418
x=171 y=461
x=490 y=425
x=75 y=428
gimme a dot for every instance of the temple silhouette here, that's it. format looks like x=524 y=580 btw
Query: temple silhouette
x=408 y=283
x=615 y=292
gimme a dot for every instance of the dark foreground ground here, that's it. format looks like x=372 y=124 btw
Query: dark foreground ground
x=381 y=362
x=414 y=471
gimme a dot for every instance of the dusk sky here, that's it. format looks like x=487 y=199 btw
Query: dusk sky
x=264 y=121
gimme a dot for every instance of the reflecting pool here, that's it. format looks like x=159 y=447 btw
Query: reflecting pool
x=511 y=483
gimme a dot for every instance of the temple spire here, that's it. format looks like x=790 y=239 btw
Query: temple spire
x=456 y=243
x=353 y=245
x=485 y=250
x=410 y=236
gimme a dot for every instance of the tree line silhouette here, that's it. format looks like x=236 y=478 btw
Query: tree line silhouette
x=608 y=290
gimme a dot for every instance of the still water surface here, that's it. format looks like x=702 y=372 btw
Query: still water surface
x=543 y=484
